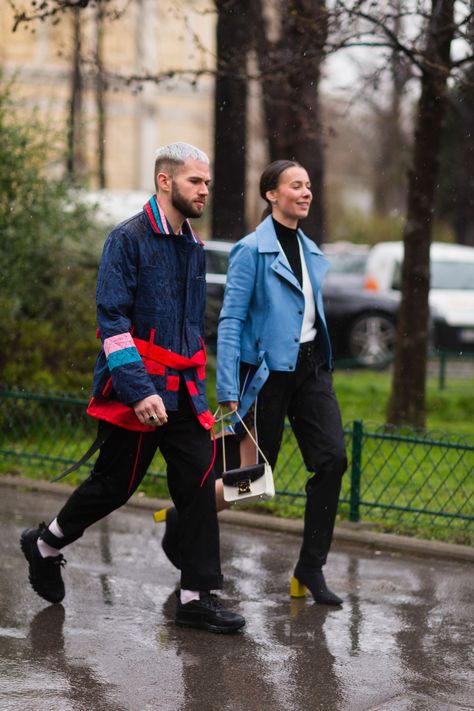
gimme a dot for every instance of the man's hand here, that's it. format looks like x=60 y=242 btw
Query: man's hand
x=231 y=405
x=151 y=411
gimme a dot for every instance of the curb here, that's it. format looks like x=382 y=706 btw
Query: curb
x=345 y=533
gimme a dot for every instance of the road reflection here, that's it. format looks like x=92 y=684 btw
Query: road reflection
x=47 y=650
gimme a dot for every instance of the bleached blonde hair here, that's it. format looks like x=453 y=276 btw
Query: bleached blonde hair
x=175 y=154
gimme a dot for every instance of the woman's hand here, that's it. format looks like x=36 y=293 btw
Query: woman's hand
x=231 y=405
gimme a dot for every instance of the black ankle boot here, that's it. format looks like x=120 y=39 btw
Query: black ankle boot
x=169 y=542
x=316 y=584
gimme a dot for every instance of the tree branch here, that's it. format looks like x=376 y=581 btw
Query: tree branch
x=52 y=8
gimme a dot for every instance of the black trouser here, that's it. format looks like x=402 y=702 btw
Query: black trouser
x=123 y=462
x=307 y=397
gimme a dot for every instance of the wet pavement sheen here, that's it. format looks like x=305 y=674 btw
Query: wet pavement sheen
x=403 y=640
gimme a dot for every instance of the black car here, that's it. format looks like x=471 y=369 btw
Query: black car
x=362 y=324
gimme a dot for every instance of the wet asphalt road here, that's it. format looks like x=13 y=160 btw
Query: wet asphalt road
x=403 y=641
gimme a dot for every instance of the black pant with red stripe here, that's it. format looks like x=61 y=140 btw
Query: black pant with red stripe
x=307 y=397
x=123 y=462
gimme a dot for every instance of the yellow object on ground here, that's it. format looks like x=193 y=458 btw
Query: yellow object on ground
x=160 y=516
x=296 y=588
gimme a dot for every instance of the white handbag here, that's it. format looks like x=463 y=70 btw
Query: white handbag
x=247 y=484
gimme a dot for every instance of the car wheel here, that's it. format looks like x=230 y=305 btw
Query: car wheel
x=372 y=339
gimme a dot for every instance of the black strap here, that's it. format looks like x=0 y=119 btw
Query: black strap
x=233 y=477
x=103 y=434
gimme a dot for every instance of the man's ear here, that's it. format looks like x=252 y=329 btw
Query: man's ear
x=163 y=182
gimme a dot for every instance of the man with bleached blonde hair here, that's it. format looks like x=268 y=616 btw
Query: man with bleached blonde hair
x=149 y=390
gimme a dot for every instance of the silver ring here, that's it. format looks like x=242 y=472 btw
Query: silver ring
x=152 y=418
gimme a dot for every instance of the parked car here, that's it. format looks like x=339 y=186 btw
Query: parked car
x=451 y=292
x=362 y=324
x=347 y=263
x=363 y=328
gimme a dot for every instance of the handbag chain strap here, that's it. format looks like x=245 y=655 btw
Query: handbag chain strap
x=221 y=419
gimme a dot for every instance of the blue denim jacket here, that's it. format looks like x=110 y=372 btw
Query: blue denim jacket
x=261 y=318
x=151 y=286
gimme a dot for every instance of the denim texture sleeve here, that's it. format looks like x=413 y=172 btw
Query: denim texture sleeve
x=240 y=285
x=115 y=295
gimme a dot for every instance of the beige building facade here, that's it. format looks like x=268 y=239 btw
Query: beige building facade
x=153 y=38
x=146 y=38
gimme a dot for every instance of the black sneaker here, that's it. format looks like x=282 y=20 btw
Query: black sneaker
x=208 y=613
x=44 y=573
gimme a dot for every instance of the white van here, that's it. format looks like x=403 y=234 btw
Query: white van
x=451 y=290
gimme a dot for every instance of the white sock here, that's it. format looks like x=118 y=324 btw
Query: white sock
x=188 y=595
x=55 y=529
x=45 y=550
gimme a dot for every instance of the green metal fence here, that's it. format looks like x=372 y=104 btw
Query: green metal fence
x=463 y=362
x=395 y=478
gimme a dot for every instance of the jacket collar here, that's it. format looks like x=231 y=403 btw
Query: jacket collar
x=160 y=224
x=267 y=238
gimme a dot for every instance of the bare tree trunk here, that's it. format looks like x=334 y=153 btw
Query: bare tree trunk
x=75 y=158
x=100 y=88
x=389 y=169
x=463 y=174
x=291 y=66
x=463 y=219
x=460 y=170
x=230 y=107
x=407 y=401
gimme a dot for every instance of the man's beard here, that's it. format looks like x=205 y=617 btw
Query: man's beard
x=185 y=207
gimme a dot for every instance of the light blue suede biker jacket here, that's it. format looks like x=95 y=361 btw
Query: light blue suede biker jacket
x=261 y=318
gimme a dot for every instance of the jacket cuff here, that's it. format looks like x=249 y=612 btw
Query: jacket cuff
x=130 y=390
x=227 y=396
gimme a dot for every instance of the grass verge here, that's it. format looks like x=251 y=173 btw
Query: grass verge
x=39 y=438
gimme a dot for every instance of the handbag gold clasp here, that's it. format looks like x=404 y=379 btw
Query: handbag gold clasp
x=244 y=486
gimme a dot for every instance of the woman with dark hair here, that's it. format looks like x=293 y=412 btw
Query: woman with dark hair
x=274 y=359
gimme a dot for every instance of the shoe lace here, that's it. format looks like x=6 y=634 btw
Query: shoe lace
x=58 y=560
x=211 y=601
